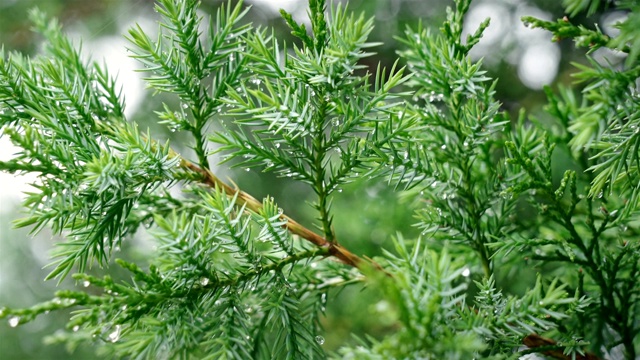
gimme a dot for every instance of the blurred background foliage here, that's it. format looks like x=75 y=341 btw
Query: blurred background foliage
x=367 y=213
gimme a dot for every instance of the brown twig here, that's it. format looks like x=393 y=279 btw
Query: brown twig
x=334 y=249
x=536 y=341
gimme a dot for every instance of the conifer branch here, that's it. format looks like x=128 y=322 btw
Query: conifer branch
x=333 y=248
x=230 y=279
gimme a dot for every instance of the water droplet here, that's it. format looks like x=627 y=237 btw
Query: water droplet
x=14 y=321
x=247 y=169
x=507 y=195
x=115 y=335
x=76 y=328
x=466 y=272
x=204 y=281
x=277 y=145
x=320 y=340
x=443 y=147
x=185 y=106
x=600 y=195
x=86 y=283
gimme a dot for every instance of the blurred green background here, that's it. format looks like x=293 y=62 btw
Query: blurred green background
x=367 y=213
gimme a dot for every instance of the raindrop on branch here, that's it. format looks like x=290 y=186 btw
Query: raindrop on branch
x=14 y=321
x=115 y=335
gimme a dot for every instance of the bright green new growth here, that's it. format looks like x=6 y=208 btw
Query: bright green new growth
x=233 y=277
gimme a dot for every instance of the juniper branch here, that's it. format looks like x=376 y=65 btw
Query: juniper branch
x=334 y=249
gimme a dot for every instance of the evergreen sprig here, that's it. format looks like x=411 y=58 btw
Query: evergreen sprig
x=198 y=71
x=582 y=231
x=92 y=165
x=208 y=270
x=233 y=277
x=451 y=150
x=301 y=115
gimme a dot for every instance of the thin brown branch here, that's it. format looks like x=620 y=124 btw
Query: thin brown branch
x=536 y=341
x=334 y=249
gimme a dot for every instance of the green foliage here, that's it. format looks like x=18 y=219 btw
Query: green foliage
x=574 y=7
x=198 y=71
x=451 y=150
x=301 y=115
x=231 y=277
x=425 y=286
x=92 y=165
